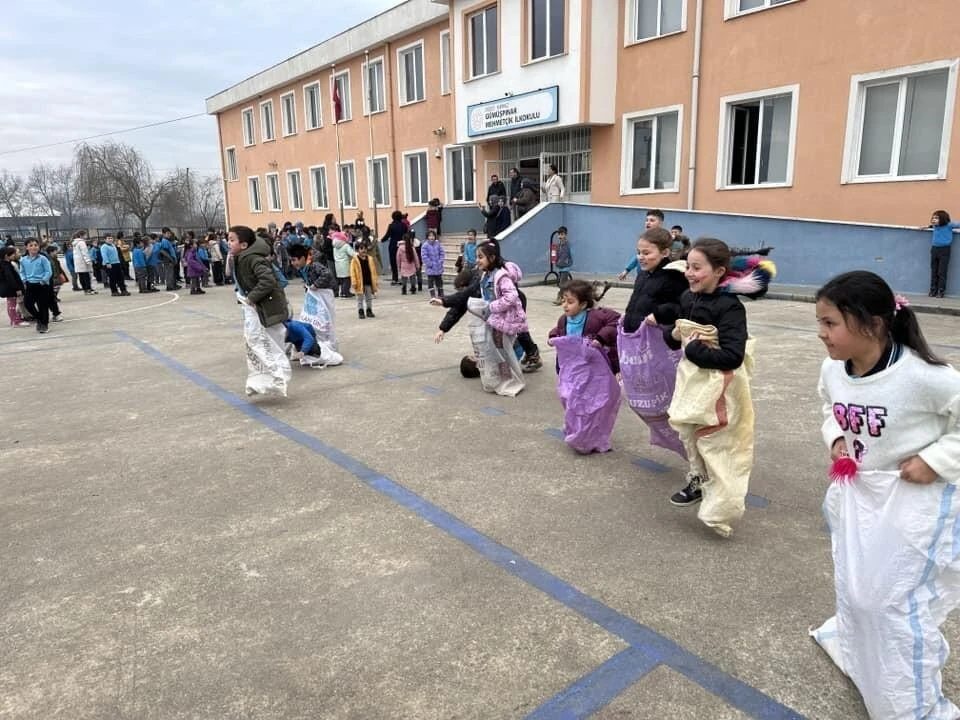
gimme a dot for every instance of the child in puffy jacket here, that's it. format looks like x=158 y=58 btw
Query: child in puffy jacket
x=499 y=288
x=581 y=317
x=408 y=262
x=433 y=259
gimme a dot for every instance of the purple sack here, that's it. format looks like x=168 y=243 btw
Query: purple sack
x=589 y=393
x=648 y=369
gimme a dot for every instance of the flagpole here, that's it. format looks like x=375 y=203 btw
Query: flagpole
x=366 y=55
x=337 y=115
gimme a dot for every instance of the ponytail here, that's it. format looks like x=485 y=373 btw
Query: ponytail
x=905 y=330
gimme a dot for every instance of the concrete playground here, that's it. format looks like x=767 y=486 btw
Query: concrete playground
x=390 y=541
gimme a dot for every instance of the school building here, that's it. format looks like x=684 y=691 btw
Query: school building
x=818 y=109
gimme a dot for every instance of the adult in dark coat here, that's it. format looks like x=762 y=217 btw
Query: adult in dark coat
x=393 y=236
x=496 y=189
x=528 y=198
x=498 y=217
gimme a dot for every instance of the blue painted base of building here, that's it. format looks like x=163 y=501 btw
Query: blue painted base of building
x=603 y=240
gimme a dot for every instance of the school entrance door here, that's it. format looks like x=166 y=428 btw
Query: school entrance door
x=569 y=150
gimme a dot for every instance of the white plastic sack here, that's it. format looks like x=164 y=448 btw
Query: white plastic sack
x=268 y=368
x=897 y=577
x=319 y=312
x=499 y=367
x=328 y=356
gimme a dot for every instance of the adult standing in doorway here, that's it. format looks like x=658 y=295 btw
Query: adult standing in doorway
x=553 y=188
x=515 y=186
x=527 y=198
x=496 y=190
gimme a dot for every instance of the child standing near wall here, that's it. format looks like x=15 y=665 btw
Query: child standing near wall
x=433 y=259
x=363 y=278
x=564 y=262
x=468 y=252
x=943 y=229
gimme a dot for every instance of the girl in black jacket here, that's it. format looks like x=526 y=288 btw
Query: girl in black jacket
x=714 y=420
x=659 y=283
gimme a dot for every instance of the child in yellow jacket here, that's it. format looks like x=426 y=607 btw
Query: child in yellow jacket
x=363 y=279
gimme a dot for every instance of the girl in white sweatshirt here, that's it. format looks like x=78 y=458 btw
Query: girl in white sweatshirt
x=892 y=407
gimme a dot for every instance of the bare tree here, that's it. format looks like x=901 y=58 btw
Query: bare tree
x=13 y=196
x=207 y=205
x=55 y=189
x=114 y=174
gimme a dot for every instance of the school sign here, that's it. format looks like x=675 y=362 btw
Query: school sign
x=538 y=107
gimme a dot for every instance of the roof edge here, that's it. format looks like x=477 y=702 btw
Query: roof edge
x=402 y=19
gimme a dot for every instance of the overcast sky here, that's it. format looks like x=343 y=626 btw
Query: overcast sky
x=73 y=68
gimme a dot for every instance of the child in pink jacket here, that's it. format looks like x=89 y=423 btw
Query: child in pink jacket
x=409 y=262
x=498 y=287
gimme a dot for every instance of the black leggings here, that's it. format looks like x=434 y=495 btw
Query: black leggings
x=523 y=339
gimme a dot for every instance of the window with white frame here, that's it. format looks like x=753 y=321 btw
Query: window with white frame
x=654 y=18
x=740 y=7
x=249 y=133
x=347 y=184
x=374 y=92
x=267 y=130
x=898 y=127
x=461 y=174
x=546 y=28
x=231 y=163
x=318 y=187
x=416 y=178
x=651 y=157
x=445 y=66
x=483 y=42
x=410 y=73
x=312 y=113
x=758 y=138
x=253 y=190
x=342 y=82
x=273 y=192
x=377 y=172
x=294 y=189
x=288 y=113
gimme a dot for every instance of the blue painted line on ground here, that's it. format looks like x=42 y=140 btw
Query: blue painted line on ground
x=651 y=465
x=390 y=376
x=555 y=432
x=654 y=645
x=355 y=365
x=430 y=390
x=492 y=411
x=757 y=501
x=598 y=688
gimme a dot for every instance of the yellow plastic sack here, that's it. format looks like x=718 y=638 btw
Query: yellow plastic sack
x=712 y=411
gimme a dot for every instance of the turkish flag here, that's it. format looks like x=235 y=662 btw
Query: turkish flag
x=337 y=104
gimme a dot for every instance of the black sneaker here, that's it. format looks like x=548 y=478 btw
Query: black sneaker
x=370 y=313
x=691 y=494
x=361 y=315
x=532 y=363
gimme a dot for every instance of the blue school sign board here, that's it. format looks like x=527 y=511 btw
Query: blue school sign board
x=538 y=107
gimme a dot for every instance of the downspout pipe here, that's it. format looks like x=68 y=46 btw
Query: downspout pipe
x=695 y=106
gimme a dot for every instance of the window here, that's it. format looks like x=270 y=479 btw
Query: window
x=347 y=184
x=377 y=172
x=739 y=7
x=249 y=134
x=758 y=138
x=416 y=179
x=231 y=157
x=295 y=190
x=311 y=106
x=546 y=28
x=253 y=190
x=410 y=73
x=483 y=42
x=288 y=111
x=342 y=83
x=266 y=121
x=898 y=125
x=273 y=192
x=654 y=18
x=374 y=95
x=651 y=149
x=445 y=62
x=318 y=184
x=460 y=171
